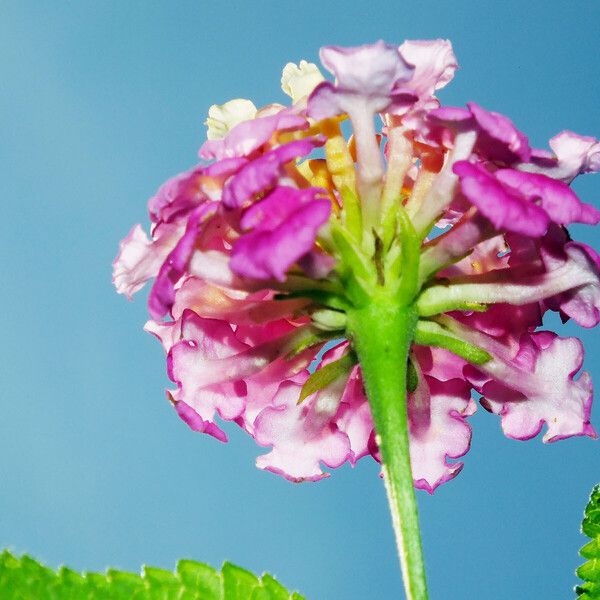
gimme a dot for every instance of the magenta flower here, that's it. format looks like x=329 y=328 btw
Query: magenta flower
x=337 y=301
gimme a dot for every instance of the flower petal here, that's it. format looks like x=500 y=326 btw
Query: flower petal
x=444 y=435
x=498 y=138
x=302 y=435
x=574 y=154
x=299 y=80
x=365 y=77
x=139 y=259
x=558 y=200
x=285 y=226
x=435 y=65
x=235 y=306
x=248 y=136
x=263 y=173
x=196 y=363
x=505 y=208
x=162 y=295
x=177 y=196
x=354 y=416
x=582 y=303
x=222 y=118
x=196 y=423
x=537 y=387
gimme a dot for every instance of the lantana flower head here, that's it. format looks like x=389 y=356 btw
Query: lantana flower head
x=267 y=255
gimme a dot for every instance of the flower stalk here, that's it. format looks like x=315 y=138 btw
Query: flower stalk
x=382 y=333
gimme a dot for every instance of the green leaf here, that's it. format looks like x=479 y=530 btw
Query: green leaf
x=590 y=570
x=202 y=578
x=238 y=583
x=326 y=375
x=412 y=377
x=307 y=341
x=25 y=579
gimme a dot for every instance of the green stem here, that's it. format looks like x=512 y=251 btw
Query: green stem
x=382 y=333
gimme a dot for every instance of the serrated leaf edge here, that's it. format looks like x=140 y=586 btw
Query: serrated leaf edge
x=20 y=575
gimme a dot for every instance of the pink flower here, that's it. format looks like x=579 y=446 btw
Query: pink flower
x=263 y=256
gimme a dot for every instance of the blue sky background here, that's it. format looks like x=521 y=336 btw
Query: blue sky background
x=102 y=101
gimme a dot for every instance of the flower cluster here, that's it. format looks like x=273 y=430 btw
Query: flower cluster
x=260 y=252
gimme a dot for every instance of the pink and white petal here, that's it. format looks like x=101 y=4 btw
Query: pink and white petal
x=366 y=77
x=255 y=335
x=539 y=387
x=445 y=435
x=204 y=380
x=582 y=152
x=435 y=64
x=439 y=363
x=354 y=416
x=139 y=258
x=582 y=303
x=162 y=294
x=301 y=438
x=248 y=136
x=196 y=423
x=194 y=361
x=234 y=306
x=505 y=321
x=168 y=334
x=261 y=388
x=368 y=69
x=212 y=266
x=573 y=155
x=211 y=353
x=177 y=196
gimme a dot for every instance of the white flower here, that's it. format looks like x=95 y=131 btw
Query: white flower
x=222 y=118
x=298 y=81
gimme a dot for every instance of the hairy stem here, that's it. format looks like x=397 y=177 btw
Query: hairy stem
x=382 y=333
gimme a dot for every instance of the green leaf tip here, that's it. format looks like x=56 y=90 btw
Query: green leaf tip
x=589 y=571
x=23 y=578
x=326 y=375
